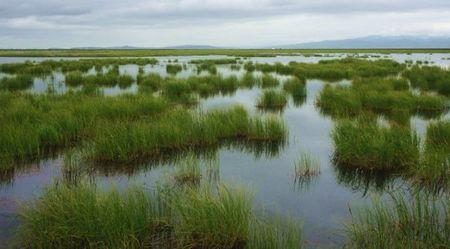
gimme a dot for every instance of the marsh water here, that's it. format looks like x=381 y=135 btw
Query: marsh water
x=321 y=205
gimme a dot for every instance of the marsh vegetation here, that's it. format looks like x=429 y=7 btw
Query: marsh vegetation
x=125 y=120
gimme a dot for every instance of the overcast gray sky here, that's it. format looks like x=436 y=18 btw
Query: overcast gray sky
x=240 y=23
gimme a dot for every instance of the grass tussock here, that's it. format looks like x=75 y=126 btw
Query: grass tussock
x=173 y=68
x=268 y=80
x=401 y=223
x=215 y=61
x=307 y=166
x=150 y=82
x=348 y=68
x=188 y=171
x=429 y=78
x=434 y=168
x=180 y=129
x=385 y=96
x=296 y=88
x=272 y=99
x=208 y=67
x=369 y=146
x=111 y=78
x=16 y=83
x=80 y=216
x=249 y=80
x=31 y=125
x=48 y=66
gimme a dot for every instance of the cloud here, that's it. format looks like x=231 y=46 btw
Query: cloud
x=167 y=22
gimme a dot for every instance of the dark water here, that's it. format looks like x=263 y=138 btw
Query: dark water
x=321 y=204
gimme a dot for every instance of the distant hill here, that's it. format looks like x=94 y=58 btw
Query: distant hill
x=377 y=42
x=192 y=47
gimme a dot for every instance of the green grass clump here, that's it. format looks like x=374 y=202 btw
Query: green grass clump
x=249 y=80
x=177 y=130
x=380 y=96
x=83 y=65
x=272 y=99
x=111 y=78
x=431 y=103
x=125 y=80
x=213 y=84
x=306 y=166
x=188 y=171
x=173 y=68
x=209 y=220
x=81 y=216
x=178 y=90
x=346 y=69
x=211 y=68
x=268 y=80
x=152 y=82
x=26 y=67
x=215 y=61
x=16 y=83
x=438 y=135
x=33 y=125
x=401 y=223
x=434 y=168
x=380 y=84
x=296 y=87
x=306 y=170
x=249 y=67
x=430 y=78
x=270 y=129
x=235 y=67
x=366 y=145
x=278 y=68
x=74 y=78
x=339 y=101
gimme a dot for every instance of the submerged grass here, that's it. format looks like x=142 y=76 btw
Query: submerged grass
x=419 y=222
x=80 y=216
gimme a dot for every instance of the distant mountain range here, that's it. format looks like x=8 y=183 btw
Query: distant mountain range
x=361 y=42
x=378 y=42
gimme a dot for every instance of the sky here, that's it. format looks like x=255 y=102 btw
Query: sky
x=229 y=23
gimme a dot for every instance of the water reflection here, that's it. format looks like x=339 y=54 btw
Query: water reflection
x=364 y=181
